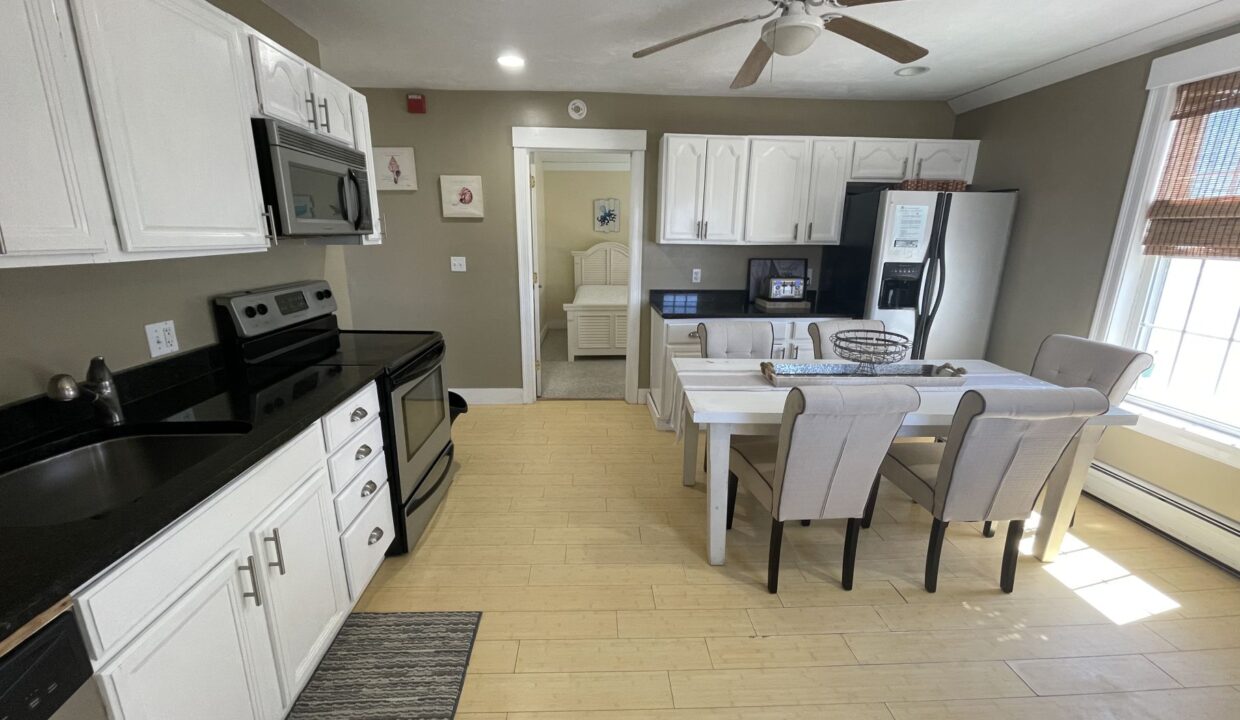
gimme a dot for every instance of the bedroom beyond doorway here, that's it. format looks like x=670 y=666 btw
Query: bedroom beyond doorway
x=581 y=209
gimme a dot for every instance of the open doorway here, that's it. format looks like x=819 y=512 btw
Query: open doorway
x=579 y=202
x=581 y=208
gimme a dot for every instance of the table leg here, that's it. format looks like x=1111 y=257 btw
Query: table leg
x=719 y=441
x=689 y=434
x=1063 y=491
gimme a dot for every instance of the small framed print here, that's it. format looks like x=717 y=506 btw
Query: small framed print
x=461 y=196
x=394 y=168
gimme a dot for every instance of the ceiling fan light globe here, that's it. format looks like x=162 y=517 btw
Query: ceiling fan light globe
x=791 y=34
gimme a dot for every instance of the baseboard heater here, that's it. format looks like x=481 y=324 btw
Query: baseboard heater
x=1207 y=534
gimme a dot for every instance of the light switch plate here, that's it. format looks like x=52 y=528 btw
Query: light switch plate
x=458 y=264
x=697 y=275
x=161 y=338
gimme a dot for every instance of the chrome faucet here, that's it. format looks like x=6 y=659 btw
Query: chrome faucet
x=99 y=386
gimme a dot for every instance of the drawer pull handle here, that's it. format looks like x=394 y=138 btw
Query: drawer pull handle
x=358 y=414
x=693 y=334
x=369 y=488
x=363 y=452
x=249 y=567
x=275 y=538
x=374 y=536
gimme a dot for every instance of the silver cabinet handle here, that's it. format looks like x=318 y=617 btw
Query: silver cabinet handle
x=693 y=334
x=363 y=452
x=809 y=232
x=705 y=229
x=374 y=536
x=358 y=414
x=269 y=216
x=904 y=167
x=327 y=120
x=698 y=232
x=795 y=228
x=275 y=538
x=918 y=173
x=249 y=567
x=369 y=488
x=314 y=117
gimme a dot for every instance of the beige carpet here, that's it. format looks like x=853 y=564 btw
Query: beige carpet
x=586 y=378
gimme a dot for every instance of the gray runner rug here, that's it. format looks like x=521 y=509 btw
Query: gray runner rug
x=406 y=666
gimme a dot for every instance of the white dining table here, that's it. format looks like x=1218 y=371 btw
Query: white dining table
x=730 y=397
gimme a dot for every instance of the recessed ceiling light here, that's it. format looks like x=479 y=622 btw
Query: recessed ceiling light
x=912 y=71
x=509 y=61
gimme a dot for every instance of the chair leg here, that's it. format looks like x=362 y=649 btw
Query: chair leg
x=732 y=483
x=1011 y=553
x=988 y=529
x=870 y=502
x=772 y=567
x=850 y=551
x=805 y=523
x=937 y=531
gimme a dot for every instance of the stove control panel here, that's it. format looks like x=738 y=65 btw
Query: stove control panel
x=256 y=312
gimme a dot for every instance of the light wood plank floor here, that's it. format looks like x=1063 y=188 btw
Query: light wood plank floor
x=568 y=527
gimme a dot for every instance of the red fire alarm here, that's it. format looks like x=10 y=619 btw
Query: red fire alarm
x=416 y=103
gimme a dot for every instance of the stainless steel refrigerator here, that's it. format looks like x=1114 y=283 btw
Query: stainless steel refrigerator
x=932 y=262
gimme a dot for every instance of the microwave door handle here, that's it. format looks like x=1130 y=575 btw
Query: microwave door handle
x=345 y=197
x=362 y=218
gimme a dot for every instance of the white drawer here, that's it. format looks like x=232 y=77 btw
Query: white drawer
x=352 y=499
x=350 y=416
x=355 y=454
x=129 y=596
x=680 y=334
x=366 y=540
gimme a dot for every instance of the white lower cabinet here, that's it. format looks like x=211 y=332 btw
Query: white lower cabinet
x=206 y=657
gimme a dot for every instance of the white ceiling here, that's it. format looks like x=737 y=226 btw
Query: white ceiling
x=586 y=45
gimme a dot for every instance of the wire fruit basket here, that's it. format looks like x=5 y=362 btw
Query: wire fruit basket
x=870 y=348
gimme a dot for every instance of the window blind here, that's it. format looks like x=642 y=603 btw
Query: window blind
x=1196 y=210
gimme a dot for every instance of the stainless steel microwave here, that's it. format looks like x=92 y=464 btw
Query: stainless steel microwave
x=313 y=187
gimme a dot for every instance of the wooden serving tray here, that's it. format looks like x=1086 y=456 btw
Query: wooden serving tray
x=915 y=374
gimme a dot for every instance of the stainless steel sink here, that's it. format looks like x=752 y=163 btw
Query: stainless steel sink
x=94 y=479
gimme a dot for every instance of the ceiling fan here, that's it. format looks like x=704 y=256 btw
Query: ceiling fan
x=796 y=29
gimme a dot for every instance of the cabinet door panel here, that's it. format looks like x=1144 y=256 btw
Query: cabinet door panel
x=723 y=207
x=303 y=574
x=334 y=107
x=881 y=159
x=828 y=179
x=172 y=91
x=684 y=172
x=207 y=657
x=53 y=196
x=283 y=82
x=776 y=191
x=945 y=160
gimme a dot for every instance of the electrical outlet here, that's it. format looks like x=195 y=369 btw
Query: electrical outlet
x=161 y=338
x=458 y=264
x=697 y=275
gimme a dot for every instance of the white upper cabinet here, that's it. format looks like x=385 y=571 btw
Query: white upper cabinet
x=333 y=106
x=53 y=195
x=172 y=92
x=283 y=82
x=775 y=201
x=828 y=178
x=683 y=177
x=881 y=159
x=361 y=129
x=723 y=206
x=945 y=160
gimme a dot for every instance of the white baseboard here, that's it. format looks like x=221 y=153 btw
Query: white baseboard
x=654 y=413
x=491 y=396
x=642 y=394
x=1191 y=524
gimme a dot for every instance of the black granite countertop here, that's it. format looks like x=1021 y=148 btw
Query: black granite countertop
x=40 y=565
x=692 y=304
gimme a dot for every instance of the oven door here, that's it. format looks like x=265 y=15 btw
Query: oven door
x=420 y=418
x=316 y=195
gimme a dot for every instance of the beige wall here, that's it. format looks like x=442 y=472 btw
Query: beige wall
x=406 y=282
x=54 y=319
x=568 y=202
x=1068 y=148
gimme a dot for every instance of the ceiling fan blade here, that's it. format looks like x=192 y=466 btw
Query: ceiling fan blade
x=855 y=3
x=685 y=38
x=876 y=39
x=753 y=66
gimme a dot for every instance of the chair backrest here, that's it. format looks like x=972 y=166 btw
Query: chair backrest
x=724 y=339
x=1002 y=446
x=821 y=332
x=831 y=442
x=1070 y=361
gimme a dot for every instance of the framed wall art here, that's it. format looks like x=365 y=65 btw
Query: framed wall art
x=395 y=168
x=461 y=196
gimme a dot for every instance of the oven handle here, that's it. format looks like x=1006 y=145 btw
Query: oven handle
x=424 y=364
x=419 y=500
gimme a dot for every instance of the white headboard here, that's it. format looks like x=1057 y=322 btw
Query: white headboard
x=604 y=264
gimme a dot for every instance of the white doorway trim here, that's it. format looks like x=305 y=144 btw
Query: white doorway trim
x=528 y=139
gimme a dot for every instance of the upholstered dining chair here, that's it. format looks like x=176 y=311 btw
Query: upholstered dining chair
x=823 y=462
x=731 y=339
x=821 y=332
x=1001 y=448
